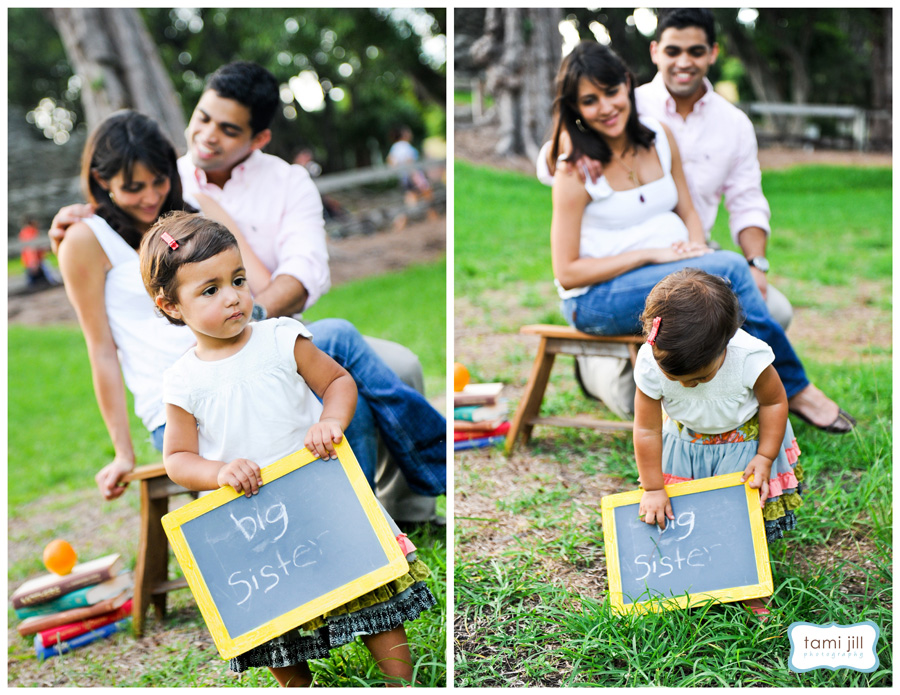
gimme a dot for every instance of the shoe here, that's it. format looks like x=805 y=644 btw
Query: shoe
x=843 y=424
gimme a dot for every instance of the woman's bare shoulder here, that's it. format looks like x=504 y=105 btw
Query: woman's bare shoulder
x=80 y=244
x=568 y=186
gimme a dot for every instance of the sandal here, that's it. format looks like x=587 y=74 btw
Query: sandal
x=843 y=424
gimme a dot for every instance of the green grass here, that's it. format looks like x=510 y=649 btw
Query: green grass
x=838 y=215
x=56 y=433
x=519 y=619
x=462 y=98
x=408 y=307
x=501 y=229
x=57 y=441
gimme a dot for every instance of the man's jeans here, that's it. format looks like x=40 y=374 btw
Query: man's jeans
x=614 y=308
x=412 y=430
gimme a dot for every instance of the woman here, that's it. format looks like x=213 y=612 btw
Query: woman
x=613 y=240
x=129 y=175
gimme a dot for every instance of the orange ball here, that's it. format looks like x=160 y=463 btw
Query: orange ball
x=59 y=557
x=460 y=376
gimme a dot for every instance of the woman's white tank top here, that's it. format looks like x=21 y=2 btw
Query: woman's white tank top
x=640 y=218
x=147 y=343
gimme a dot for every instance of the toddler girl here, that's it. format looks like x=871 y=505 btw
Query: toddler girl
x=245 y=397
x=725 y=407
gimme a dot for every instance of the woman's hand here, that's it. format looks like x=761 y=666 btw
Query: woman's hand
x=760 y=468
x=679 y=251
x=321 y=438
x=243 y=475
x=655 y=508
x=111 y=474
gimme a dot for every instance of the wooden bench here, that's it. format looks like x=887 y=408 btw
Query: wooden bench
x=562 y=340
x=151 y=572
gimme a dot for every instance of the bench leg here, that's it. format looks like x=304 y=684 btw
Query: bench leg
x=530 y=405
x=151 y=568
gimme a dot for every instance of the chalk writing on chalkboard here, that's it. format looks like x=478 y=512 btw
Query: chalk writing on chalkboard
x=313 y=538
x=714 y=549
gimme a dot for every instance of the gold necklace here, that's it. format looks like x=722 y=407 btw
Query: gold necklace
x=632 y=175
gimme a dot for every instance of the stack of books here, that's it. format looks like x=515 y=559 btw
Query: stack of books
x=479 y=416
x=68 y=611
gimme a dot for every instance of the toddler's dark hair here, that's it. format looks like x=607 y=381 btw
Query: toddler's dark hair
x=198 y=238
x=699 y=313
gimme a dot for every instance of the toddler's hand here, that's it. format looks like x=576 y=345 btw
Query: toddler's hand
x=760 y=468
x=655 y=508
x=242 y=475
x=321 y=438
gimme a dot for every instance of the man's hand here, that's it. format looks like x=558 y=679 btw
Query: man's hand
x=583 y=167
x=761 y=282
x=64 y=219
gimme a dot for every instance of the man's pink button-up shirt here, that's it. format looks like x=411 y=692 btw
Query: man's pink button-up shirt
x=279 y=210
x=718 y=152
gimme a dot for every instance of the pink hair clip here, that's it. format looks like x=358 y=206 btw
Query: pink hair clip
x=651 y=339
x=166 y=237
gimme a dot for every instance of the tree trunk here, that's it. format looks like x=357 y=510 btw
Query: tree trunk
x=520 y=51
x=110 y=49
x=882 y=79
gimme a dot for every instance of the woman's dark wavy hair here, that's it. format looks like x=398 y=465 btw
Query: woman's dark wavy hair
x=699 y=313
x=603 y=67
x=123 y=138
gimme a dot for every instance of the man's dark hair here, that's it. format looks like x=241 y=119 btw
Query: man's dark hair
x=251 y=85
x=683 y=18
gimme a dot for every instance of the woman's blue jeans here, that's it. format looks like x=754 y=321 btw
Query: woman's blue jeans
x=413 y=431
x=614 y=308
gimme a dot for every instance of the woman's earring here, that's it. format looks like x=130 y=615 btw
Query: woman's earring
x=580 y=125
x=112 y=197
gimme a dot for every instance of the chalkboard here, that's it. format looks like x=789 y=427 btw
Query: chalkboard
x=714 y=549
x=313 y=538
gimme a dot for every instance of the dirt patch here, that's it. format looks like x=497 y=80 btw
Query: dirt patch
x=853 y=325
x=352 y=258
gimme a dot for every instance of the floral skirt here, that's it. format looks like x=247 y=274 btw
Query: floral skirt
x=689 y=455
x=380 y=610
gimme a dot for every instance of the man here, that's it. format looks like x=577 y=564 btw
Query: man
x=719 y=154
x=716 y=139
x=279 y=211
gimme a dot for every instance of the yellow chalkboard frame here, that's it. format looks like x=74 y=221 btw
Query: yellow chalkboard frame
x=763 y=587
x=232 y=645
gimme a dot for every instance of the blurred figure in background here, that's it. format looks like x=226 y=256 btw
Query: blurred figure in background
x=415 y=183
